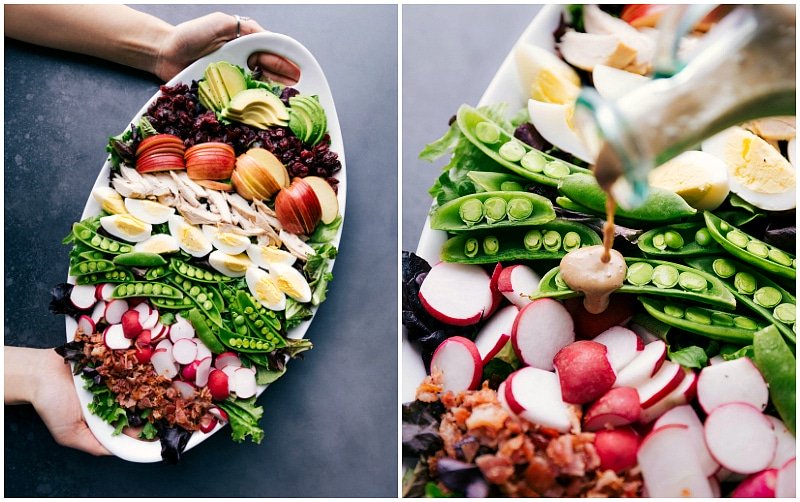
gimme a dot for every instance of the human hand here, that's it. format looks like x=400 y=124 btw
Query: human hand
x=194 y=39
x=40 y=377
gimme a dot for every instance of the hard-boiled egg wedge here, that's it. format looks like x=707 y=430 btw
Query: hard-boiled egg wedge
x=758 y=173
x=291 y=282
x=266 y=256
x=126 y=227
x=265 y=289
x=109 y=200
x=149 y=211
x=699 y=177
x=230 y=265
x=546 y=76
x=190 y=238
x=613 y=83
x=159 y=244
x=554 y=123
x=227 y=242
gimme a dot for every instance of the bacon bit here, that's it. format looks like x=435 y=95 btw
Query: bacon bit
x=496 y=470
x=487 y=415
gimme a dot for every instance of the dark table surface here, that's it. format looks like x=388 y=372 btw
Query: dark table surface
x=331 y=421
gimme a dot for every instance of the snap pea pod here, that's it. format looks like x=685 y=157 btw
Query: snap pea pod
x=91 y=267
x=139 y=259
x=680 y=239
x=652 y=277
x=199 y=296
x=195 y=273
x=242 y=343
x=264 y=323
x=172 y=304
x=659 y=206
x=146 y=289
x=99 y=242
x=204 y=332
x=93 y=255
x=778 y=365
x=751 y=250
x=541 y=167
x=497 y=182
x=714 y=324
x=452 y=216
x=753 y=289
x=514 y=244
x=116 y=275
x=157 y=272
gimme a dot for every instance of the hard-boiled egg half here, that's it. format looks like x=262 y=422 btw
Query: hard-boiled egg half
x=700 y=178
x=266 y=256
x=126 y=227
x=291 y=282
x=265 y=289
x=758 y=172
x=149 y=211
x=230 y=265
x=554 y=123
x=190 y=238
x=110 y=200
x=612 y=83
x=159 y=244
x=227 y=242
x=546 y=76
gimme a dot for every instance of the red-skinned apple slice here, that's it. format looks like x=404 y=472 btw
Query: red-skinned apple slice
x=617 y=448
x=516 y=282
x=456 y=294
x=685 y=415
x=646 y=363
x=622 y=344
x=617 y=407
x=540 y=330
x=328 y=201
x=459 y=362
x=731 y=381
x=297 y=208
x=584 y=371
x=535 y=395
x=667 y=379
x=158 y=140
x=215 y=185
x=740 y=437
x=669 y=464
x=494 y=335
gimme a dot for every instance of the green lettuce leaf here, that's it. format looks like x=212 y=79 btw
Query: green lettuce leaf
x=243 y=416
x=104 y=405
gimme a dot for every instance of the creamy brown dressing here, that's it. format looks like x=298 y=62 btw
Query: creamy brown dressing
x=584 y=270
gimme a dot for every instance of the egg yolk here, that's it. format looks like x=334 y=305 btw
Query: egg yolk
x=190 y=239
x=230 y=238
x=287 y=287
x=237 y=263
x=129 y=225
x=267 y=291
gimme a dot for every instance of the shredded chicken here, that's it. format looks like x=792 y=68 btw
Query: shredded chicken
x=197 y=215
x=295 y=245
x=216 y=200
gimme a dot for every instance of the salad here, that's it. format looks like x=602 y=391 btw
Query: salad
x=214 y=241
x=684 y=384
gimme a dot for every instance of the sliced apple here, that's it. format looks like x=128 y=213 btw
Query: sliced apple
x=326 y=196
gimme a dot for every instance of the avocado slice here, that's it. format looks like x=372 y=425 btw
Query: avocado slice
x=205 y=96
x=216 y=86
x=259 y=105
x=299 y=121
x=232 y=79
x=310 y=122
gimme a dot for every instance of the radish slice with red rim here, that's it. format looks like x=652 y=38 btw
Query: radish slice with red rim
x=685 y=415
x=244 y=383
x=82 y=297
x=114 y=338
x=646 y=364
x=494 y=335
x=456 y=294
x=115 y=310
x=740 y=438
x=184 y=351
x=535 y=395
x=227 y=359
x=732 y=381
x=622 y=344
x=669 y=464
x=86 y=325
x=203 y=369
x=185 y=389
x=540 y=330
x=99 y=312
x=786 y=482
x=459 y=362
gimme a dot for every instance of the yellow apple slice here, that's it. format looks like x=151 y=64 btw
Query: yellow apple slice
x=328 y=201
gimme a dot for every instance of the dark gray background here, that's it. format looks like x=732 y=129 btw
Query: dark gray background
x=331 y=422
x=450 y=54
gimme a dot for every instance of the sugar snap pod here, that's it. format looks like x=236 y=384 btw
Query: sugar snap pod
x=507 y=209
x=680 y=239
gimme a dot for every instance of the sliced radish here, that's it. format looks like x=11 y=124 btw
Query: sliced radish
x=219 y=414
x=115 y=309
x=184 y=351
x=114 y=338
x=185 y=389
x=99 y=312
x=535 y=395
x=646 y=336
x=740 y=437
x=516 y=283
x=661 y=384
x=144 y=310
x=540 y=330
x=584 y=371
x=144 y=353
x=456 y=294
x=207 y=423
x=646 y=364
x=244 y=383
x=617 y=448
x=716 y=360
x=759 y=485
x=86 y=325
x=163 y=362
x=144 y=338
x=218 y=385
x=230 y=370
x=501 y=397
x=82 y=297
x=181 y=329
x=227 y=359
x=164 y=344
x=623 y=345
x=786 y=482
x=617 y=407
x=203 y=369
x=189 y=371
x=786 y=447
x=732 y=381
x=669 y=464
x=130 y=323
x=459 y=362
x=151 y=320
x=202 y=350
x=494 y=335
x=685 y=415
x=683 y=393
x=497 y=296
x=159 y=332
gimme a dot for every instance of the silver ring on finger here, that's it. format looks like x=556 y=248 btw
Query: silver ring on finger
x=239 y=20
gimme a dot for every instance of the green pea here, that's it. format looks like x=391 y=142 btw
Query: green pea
x=785 y=312
x=551 y=240
x=560 y=283
x=194 y=290
x=767 y=297
x=639 y=273
x=511 y=186
x=665 y=276
x=191 y=272
x=512 y=151
x=572 y=240
x=703 y=237
x=83 y=267
x=491 y=245
x=533 y=161
x=723 y=226
x=166 y=290
x=737 y=238
x=519 y=209
x=487 y=132
x=104 y=245
x=471 y=211
x=556 y=169
x=130 y=288
x=698 y=315
x=722 y=319
x=692 y=281
x=113 y=246
x=182 y=268
x=471 y=247
x=533 y=240
x=84 y=234
x=495 y=208
x=744 y=282
x=96 y=240
x=673 y=310
x=138 y=288
x=758 y=248
x=208 y=275
x=673 y=239
x=779 y=257
x=157 y=289
x=660 y=242
x=723 y=268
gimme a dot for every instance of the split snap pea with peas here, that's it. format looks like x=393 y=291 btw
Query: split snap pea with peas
x=492 y=210
x=680 y=239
